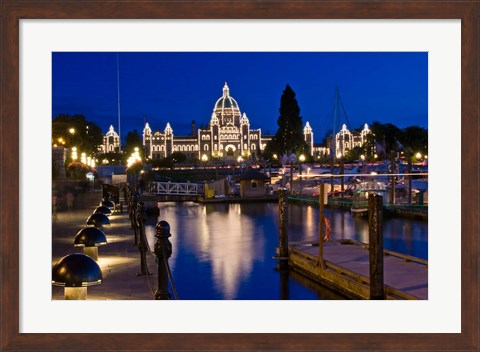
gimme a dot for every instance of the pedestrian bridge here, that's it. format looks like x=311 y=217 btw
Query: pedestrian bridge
x=172 y=188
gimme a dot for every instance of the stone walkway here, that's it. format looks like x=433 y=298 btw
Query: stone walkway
x=119 y=259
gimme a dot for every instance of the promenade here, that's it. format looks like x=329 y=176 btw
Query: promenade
x=119 y=259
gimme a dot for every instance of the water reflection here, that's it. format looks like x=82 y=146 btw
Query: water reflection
x=224 y=251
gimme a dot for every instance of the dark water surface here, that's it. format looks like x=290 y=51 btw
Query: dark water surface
x=224 y=251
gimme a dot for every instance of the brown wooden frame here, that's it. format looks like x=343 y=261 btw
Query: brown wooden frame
x=13 y=11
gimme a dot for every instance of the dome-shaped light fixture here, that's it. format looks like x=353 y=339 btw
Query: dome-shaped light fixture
x=76 y=272
x=103 y=210
x=108 y=203
x=90 y=238
x=98 y=220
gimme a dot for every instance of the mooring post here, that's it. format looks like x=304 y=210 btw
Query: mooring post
x=392 y=179
x=375 y=232
x=163 y=251
x=284 y=287
x=282 y=224
x=409 y=178
x=321 y=233
x=142 y=243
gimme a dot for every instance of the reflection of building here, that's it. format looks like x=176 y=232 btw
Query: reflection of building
x=228 y=135
x=111 y=142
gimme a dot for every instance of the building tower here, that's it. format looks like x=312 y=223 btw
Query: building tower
x=147 y=140
x=111 y=141
x=168 y=139
x=194 y=129
x=308 y=134
x=343 y=142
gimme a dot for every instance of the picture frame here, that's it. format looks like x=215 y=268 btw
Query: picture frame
x=13 y=11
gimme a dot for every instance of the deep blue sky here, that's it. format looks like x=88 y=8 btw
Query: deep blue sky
x=181 y=87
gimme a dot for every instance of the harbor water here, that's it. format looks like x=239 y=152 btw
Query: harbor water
x=225 y=251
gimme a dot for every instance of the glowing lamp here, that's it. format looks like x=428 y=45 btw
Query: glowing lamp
x=103 y=210
x=76 y=272
x=98 y=220
x=90 y=238
x=108 y=203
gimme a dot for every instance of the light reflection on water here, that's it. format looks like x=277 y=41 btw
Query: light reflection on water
x=224 y=251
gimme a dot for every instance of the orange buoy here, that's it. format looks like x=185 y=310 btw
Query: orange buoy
x=328 y=229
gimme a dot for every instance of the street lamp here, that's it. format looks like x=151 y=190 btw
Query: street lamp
x=72 y=130
x=74 y=153
x=302 y=159
x=204 y=159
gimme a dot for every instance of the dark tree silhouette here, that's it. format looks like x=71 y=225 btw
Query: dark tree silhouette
x=133 y=140
x=76 y=131
x=289 y=137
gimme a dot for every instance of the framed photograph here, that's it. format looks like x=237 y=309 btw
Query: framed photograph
x=36 y=36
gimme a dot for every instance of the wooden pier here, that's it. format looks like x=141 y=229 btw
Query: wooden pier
x=347 y=269
x=355 y=269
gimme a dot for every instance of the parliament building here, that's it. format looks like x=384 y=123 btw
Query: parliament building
x=228 y=136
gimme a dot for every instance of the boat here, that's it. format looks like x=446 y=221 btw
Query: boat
x=360 y=195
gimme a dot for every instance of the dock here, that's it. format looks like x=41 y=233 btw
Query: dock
x=347 y=269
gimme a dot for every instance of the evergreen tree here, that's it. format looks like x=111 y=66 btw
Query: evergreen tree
x=76 y=131
x=289 y=137
x=133 y=140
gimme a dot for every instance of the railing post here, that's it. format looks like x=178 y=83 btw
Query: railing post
x=163 y=251
x=142 y=244
x=133 y=216
x=282 y=224
x=375 y=231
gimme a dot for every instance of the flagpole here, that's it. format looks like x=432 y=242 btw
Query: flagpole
x=118 y=104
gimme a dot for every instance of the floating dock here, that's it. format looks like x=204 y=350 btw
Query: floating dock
x=347 y=269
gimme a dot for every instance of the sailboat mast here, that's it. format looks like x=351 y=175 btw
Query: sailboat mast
x=335 y=116
x=118 y=103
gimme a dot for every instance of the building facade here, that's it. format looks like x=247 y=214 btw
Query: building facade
x=228 y=136
x=345 y=141
x=111 y=142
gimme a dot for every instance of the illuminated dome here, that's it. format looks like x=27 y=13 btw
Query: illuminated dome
x=226 y=108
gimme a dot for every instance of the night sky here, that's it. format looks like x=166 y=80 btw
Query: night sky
x=179 y=87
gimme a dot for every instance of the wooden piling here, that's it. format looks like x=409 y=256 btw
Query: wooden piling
x=321 y=233
x=375 y=232
x=282 y=224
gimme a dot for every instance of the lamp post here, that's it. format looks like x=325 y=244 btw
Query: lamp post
x=240 y=163
x=204 y=160
x=74 y=153
x=302 y=159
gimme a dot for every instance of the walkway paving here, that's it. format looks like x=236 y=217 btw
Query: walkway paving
x=119 y=259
